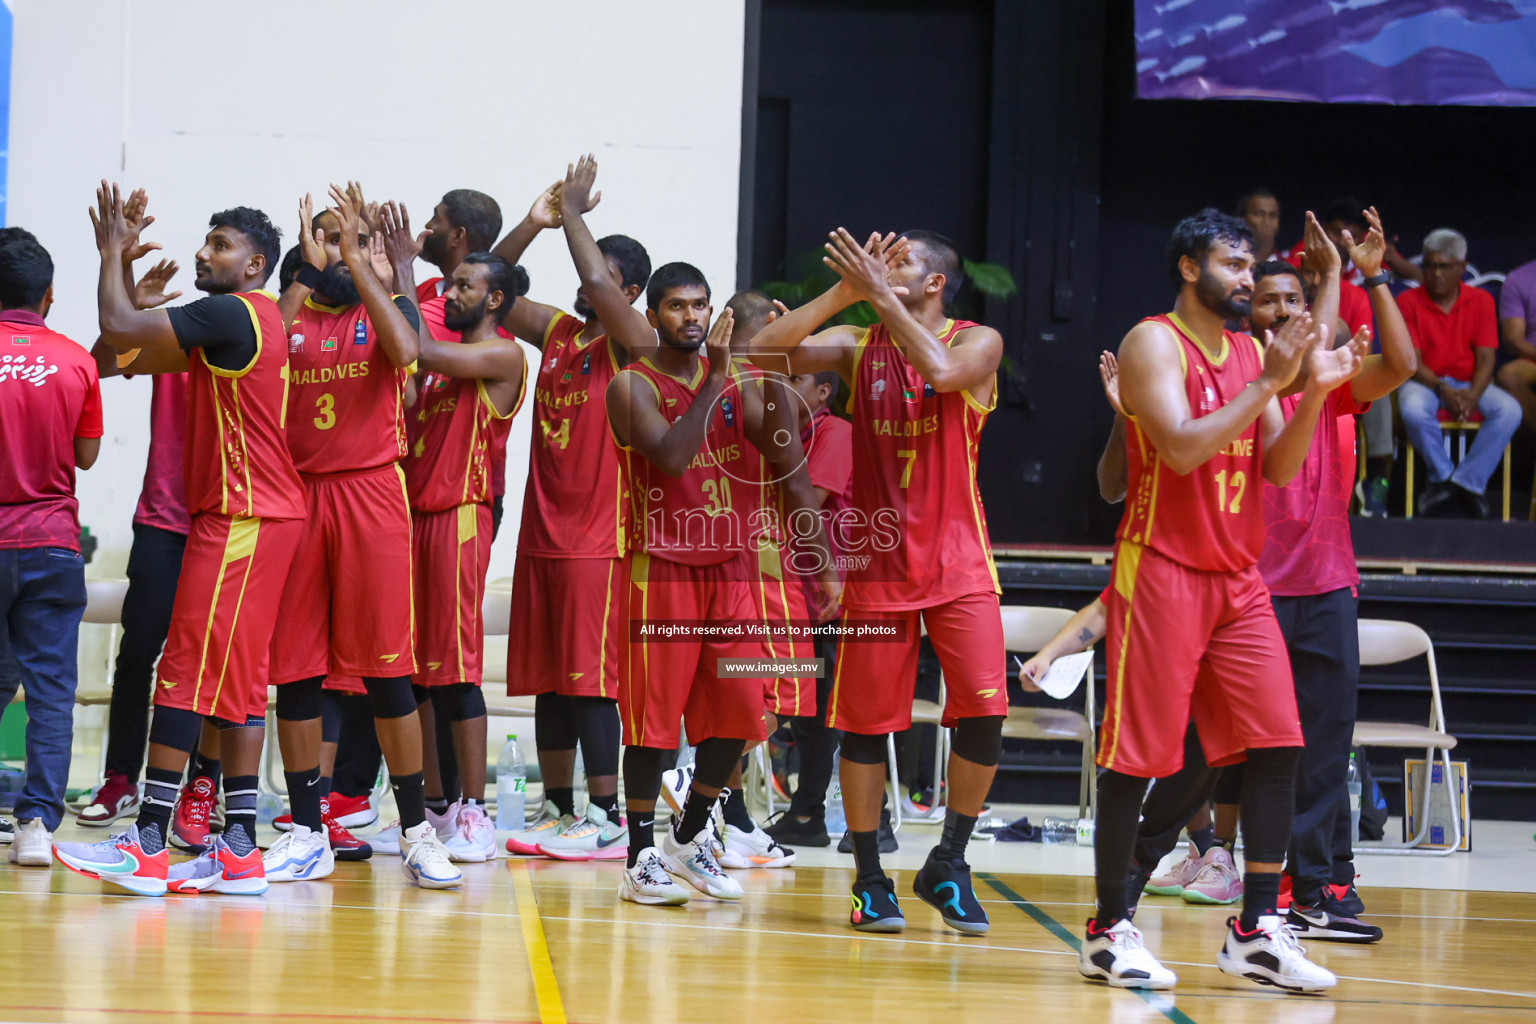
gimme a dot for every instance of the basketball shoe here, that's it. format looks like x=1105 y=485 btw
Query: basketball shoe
x=388 y=841
x=1326 y=918
x=1271 y=956
x=649 y=883
x=591 y=837
x=549 y=823
x=344 y=845
x=1179 y=874
x=217 y=869
x=1218 y=882
x=299 y=855
x=115 y=797
x=1118 y=956
x=119 y=861
x=191 y=825
x=425 y=860
x=874 y=906
x=474 y=837
x=694 y=862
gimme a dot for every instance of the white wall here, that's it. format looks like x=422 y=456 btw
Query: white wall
x=208 y=107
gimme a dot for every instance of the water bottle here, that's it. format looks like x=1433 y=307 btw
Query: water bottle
x=1067 y=831
x=268 y=807
x=511 y=788
x=837 y=821
x=1353 y=781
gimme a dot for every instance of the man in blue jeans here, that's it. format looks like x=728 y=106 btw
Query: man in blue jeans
x=50 y=423
x=1455 y=329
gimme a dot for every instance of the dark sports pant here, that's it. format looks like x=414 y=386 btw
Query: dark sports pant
x=1321 y=634
x=154 y=563
x=815 y=743
x=357 y=753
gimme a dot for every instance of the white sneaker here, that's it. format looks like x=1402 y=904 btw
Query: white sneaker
x=1272 y=956
x=299 y=855
x=754 y=849
x=675 y=785
x=7 y=831
x=694 y=862
x=425 y=860
x=1118 y=956
x=591 y=837
x=475 y=839
x=648 y=882
x=33 y=846
x=388 y=840
x=549 y=823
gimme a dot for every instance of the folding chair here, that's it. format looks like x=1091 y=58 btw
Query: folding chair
x=1387 y=642
x=1462 y=430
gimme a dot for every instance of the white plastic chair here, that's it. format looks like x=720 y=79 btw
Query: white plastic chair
x=103 y=607
x=1387 y=642
x=1026 y=629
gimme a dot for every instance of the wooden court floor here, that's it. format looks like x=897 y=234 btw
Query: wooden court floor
x=545 y=941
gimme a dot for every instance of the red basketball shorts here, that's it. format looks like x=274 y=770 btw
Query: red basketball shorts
x=345 y=684
x=346 y=609
x=451 y=551
x=216 y=656
x=876 y=676
x=1184 y=641
x=781 y=605
x=667 y=680
x=567 y=629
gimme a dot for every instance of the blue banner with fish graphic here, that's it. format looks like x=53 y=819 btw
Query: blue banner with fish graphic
x=1429 y=52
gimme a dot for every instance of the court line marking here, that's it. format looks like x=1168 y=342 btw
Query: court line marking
x=1032 y=910
x=1156 y=1000
x=66 y=1011
x=546 y=989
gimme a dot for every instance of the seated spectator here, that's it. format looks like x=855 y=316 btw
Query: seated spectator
x=1455 y=330
x=1517 y=329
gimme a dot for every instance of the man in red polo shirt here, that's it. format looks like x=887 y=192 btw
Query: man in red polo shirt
x=50 y=423
x=1455 y=329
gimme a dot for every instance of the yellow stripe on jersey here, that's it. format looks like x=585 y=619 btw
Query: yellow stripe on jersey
x=853 y=379
x=1127 y=563
x=218 y=422
x=240 y=543
x=602 y=649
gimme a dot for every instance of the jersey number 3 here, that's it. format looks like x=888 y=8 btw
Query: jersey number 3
x=1229 y=493
x=325 y=405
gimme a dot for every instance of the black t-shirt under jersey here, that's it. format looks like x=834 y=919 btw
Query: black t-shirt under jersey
x=221 y=325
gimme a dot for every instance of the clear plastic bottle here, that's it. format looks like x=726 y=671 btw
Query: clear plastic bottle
x=1077 y=831
x=837 y=820
x=1354 y=781
x=268 y=807
x=511 y=787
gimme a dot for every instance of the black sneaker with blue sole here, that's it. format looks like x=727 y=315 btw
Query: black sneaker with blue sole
x=945 y=885
x=874 y=906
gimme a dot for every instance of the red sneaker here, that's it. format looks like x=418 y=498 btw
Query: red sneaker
x=190 y=828
x=350 y=811
x=344 y=845
x=353 y=811
x=1284 y=902
x=114 y=798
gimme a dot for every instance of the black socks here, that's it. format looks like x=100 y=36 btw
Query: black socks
x=866 y=854
x=734 y=809
x=240 y=792
x=1203 y=840
x=642 y=833
x=304 y=797
x=563 y=797
x=410 y=799
x=1261 y=896
x=957 y=832
x=694 y=818
x=160 y=786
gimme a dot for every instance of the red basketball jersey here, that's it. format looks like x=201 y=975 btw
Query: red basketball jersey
x=348 y=398
x=697 y=518
x=574 y=503
x=456 y=431
x=1213 y=517
x=238 y=463
x=916 y=535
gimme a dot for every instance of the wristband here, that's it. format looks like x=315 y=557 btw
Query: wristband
x=308 y=275
x=1377 y=279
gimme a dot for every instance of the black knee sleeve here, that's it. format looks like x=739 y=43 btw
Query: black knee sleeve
x=299 y=701
x=422 y=694
x=176 y=727
x=862 y=748
x=715 y=759
x=979 y=740
x=642 y=774
x=599 y=735
x=1229 y=784
x=555 y=722
x=1269 y=803
x=332 y=711
x=461 y=702
x=391 y=698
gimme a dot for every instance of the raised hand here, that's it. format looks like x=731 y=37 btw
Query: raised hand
x=862 y=269
x=114 y=234
x=545 y=211
x=778 y=310
x=311 y=246
x=349 y=213
x=1371 y=250
x=138 y=220
x=395 y=230
x=1285 y=350
x=717 y=346
x=150 y=291
x=1321 y=254
x=378 y=258
x=576 y=190
x=1328 y=368
x=1109 y=375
